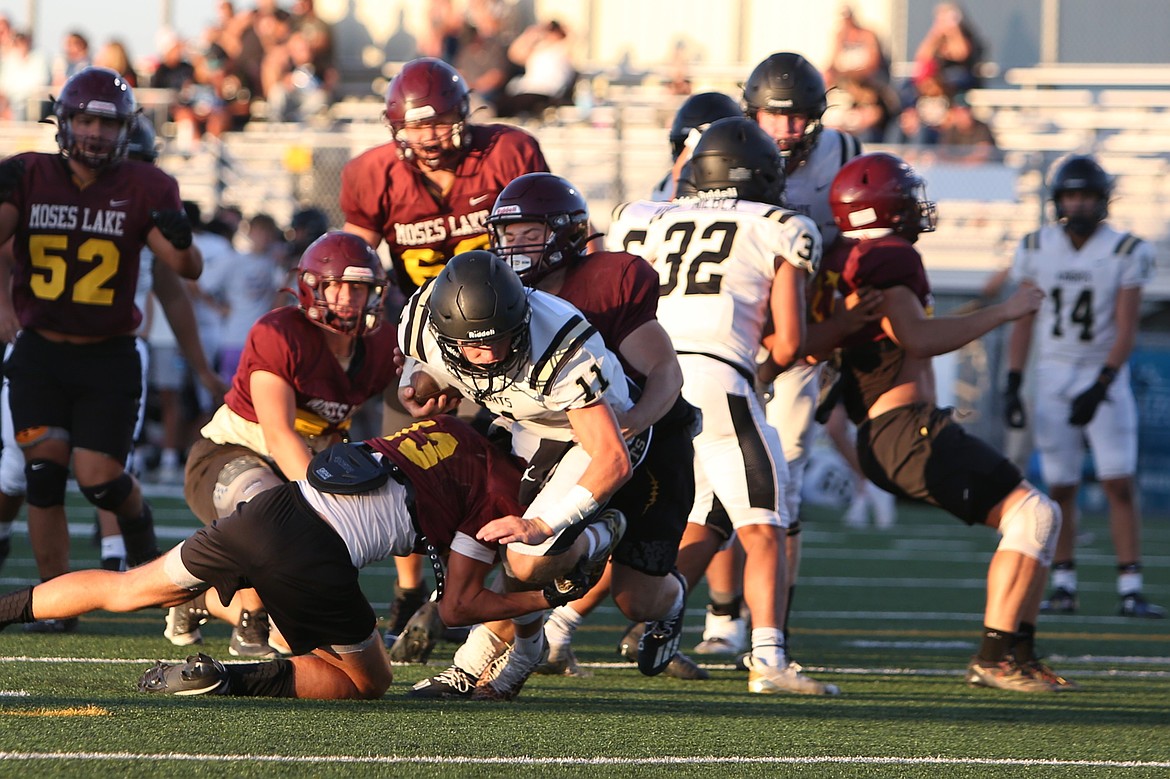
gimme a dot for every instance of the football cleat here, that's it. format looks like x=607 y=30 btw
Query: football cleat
x=1006 y=674
x=723 y=634
x=250 y=637
x=1134 y=605
x=406 y=603
x=1042 y=671
x=593 y=566
x=505 y=677
x=767 y=680
x=451 y=683
x=1060 y=601
x=562 y=662
x=628 y=644
x=683 y=667
x=418 y=638
x=183 y=621
x=660 y=642
x=67 y=625
x=200 y=675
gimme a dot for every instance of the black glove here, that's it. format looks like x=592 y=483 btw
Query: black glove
x=1013 y=407
x=1084 y=406
x=11 y=174
x=174 y=226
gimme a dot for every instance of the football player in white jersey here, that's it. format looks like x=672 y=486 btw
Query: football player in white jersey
x=727 y=261
x=536 y=362
x=1083 y=337
x=785 y=95
x=693 y=117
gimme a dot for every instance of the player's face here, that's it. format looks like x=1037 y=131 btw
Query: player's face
x=523 y=234
x=785 y=129
x=1079 y=203
x=95 y=135
x=487 y=352
x=346 y=299
x=432 y=140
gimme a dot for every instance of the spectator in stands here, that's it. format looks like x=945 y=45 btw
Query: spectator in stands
x=954 y=49
x=253 y=290
x=857 y=56
x=440 y=38
x=297 y=90
x=24 y=74
x=114 y=56
x=317 y=33
x=924 y=112
x=253 y=34
x=483 y=56
x=962 y=137
x=870 y=109
x=545 y=54
x=73 y=59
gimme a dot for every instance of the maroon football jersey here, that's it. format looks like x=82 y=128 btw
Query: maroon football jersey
x=617 y=292
x=461 y=481
x=284 y=342
x=391 y=197
x=822 y=287
x=882 y=263
x=76 y=250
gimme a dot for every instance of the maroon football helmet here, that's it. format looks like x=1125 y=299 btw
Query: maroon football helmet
x=880 y=190
x=548 y=200
x=429 y=92
x=340 y=257
x=98 y=92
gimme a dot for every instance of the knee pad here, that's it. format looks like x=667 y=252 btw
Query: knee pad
x=111 y=495
x=1032 y=528
x=46 y=483
x=239 y=481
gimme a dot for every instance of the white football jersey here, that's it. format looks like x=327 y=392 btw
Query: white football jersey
x=568 y=367
x=716 y=263
x=1077 y=321
x=630 y=222
x=807 y=189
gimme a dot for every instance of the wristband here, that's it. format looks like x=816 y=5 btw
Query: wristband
x=1106 y=376
x=1014 y=380
x=577 y=504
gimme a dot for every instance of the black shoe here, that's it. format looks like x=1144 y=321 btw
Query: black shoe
x=200 y=675
x=67 y=625
x=250 y=637
x=683 y=667
x=1134 y=605
x=406 y=603
x=452 y=683
x=5 y=550
x=1060 y=601
x=418 y=638
x=659 y=644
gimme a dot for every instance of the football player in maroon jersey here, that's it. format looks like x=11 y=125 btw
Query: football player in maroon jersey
x=427 y=193
x=79 y=219
x=912 y=448
x=304 y=371
x=434 y=485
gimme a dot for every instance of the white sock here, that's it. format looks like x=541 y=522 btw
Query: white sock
x=561 y=624
x=597 y=536
x=768 y=646
x=113 y=546
x=481 y=647
x=529 y=648
x=1129 y=582
x=675 y=606
x=1065 y=579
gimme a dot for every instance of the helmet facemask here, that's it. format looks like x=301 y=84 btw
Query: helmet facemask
x=487 y=379
x=92 y=148
x=533 y=259
x=347 y=319
x=441 y=148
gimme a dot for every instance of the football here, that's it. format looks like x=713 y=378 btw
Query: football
x=426 y=388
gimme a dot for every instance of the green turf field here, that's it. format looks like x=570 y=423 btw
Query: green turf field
x=890 y=616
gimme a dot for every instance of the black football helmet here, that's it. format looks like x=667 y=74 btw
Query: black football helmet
x=429 y=91
x=787 y=83
x=548 y=200
x=735 y=158
x=1080 y=173
x=696 y=113
x=879 y=190
x=478 y=300
x=143 y=143
x=97 y=92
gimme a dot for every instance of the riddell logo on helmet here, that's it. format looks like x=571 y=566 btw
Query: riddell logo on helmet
x=513 y=209
x=481 y=333
x=785 y=103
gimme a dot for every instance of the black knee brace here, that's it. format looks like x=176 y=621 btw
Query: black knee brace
x=273 y=679
x=46 y=483
x=111 y=495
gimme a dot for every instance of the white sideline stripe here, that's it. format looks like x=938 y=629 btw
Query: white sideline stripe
x=574 y=761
